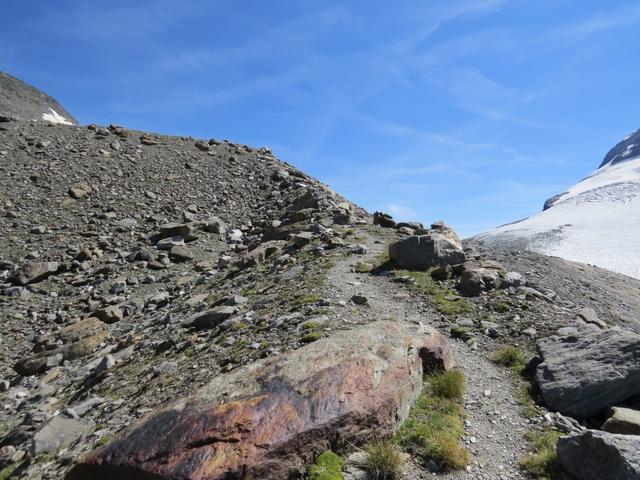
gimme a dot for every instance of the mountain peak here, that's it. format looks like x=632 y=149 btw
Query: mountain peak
x=625 y=150
x=21 y=101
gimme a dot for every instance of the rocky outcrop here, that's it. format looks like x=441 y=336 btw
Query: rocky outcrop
x=23 y=102
x=425 y=251
x=268 y=419
x=594 y=455
x=384 y=220
x=585 y=372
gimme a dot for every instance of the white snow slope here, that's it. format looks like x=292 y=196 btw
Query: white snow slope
x=597 y=221
x=55 y=117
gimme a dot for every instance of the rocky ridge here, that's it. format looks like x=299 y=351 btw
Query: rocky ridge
x=144 y=275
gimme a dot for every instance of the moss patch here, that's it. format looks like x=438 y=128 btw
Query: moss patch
x=435 y=424
x=363 y=268
x=307 y=299
x=328 y=466
x=311 y=337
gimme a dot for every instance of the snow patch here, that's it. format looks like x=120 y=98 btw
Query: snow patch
x=55 y=117
x=597 y=222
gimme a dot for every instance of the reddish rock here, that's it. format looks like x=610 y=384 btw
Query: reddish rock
x=268 y=419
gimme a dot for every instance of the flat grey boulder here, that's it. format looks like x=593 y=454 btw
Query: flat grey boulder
x=59 y=432
x=210 y=318
x=595 y=455
x=585 y=372
x=425 y=251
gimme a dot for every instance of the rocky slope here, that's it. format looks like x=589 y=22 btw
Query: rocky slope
x=24 y=102
x=596 y=221
x=189 y=308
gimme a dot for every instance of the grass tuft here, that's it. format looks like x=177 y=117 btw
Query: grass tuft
x=448 y=385
x=542 y=463
x=435 y=425
x=383 y=461
x=511 y=357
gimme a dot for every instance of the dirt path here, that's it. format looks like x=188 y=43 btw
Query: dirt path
x=494 y=426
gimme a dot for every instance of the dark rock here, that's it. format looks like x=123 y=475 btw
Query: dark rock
x=594 y=455
x=179 y=253
x=210 y=318
x=203 y=146
x=384 y=220
x=109 y=314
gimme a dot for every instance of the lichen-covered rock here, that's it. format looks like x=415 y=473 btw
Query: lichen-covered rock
x=270 y=418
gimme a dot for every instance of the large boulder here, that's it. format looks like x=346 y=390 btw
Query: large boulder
x=585 y=372
x=268 y=419
x=425 y=251
x=594 y=455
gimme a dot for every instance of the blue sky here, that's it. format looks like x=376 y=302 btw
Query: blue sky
x=471 y=111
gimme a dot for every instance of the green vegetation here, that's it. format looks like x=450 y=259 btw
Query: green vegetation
x=510 y=356
x=446 y=301
x=542 y=463
x=515 y=359
x=461 y=332
x=328 y=466
x=502 y=307
x=449 y=385
x=307 y=299
x=103 y=440
x=311 y=337
x=435 y=424
x=7 y=471
x=363 y=267
x=310 y=325
x=383 y=461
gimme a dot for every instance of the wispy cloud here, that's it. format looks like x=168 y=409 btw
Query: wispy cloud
x=401 y=212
